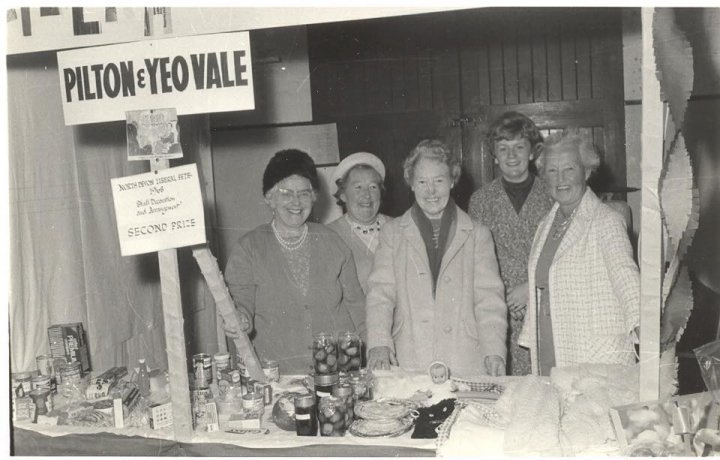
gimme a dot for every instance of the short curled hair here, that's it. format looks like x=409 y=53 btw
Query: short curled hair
x=513 y=125
x=570 y=139
x=431 y=149
x=342 y=181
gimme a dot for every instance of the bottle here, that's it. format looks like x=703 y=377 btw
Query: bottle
x=143 y=378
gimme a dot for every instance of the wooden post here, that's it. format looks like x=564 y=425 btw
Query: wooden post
x=651 y=244
x=174 y=335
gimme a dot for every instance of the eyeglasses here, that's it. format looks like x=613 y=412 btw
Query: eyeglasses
x=286 y=195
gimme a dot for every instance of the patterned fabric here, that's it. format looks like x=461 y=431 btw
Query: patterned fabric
x=462 y=324
x=299 y=264
x=362 y=253
x=513 y=234
x=284 y=321
x=594 y=289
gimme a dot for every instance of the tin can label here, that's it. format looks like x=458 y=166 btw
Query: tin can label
x=271 y=369
x=41 y=382
x=202 y=368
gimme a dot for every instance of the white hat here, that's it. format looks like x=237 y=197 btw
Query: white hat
x=359 y=158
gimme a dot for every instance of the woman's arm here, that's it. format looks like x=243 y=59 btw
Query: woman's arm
x=352 y=295
x=621 y=268
x=382 y=295
x=490 y=307
x=241 y=284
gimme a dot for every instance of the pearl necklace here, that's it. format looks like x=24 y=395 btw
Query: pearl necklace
x=289 y=245
x=563 y=226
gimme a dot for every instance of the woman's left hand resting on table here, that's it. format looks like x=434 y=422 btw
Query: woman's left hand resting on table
x=495 y=365
x=381 y=358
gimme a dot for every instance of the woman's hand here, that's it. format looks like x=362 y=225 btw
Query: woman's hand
x=241 y=320
x=381 y=358
x=495 y=365
x=517 y=298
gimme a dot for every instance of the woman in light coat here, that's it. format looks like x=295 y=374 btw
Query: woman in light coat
x=586 y=285
x=435 y=293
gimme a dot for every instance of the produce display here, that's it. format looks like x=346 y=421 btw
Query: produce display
x=325 y=357
x=349 y=352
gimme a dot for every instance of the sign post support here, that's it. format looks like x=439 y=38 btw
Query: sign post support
x=174 y=334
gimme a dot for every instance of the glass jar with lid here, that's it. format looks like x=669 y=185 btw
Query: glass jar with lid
x=362 y=383
x=324 y=353
x=324 y=385
x=306 y=422
x=349 y=351
x=332 y=416
x=345 y=393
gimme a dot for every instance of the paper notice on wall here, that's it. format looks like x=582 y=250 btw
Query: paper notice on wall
x=153 y=133
x=161 y=210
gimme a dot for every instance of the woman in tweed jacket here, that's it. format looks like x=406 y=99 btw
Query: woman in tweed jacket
x=512 y=206
x=586 y=305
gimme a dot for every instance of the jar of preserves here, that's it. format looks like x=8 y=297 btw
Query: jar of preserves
x=324 y=384
x=362 y=383
x=324 y=353
x=306 y=422
x=332 y=417
x=344 y=392
x=349 y=351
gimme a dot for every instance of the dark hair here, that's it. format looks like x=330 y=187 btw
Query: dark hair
x=435 y=150
x=286 y=163
x=340 y=182
x=511 y=125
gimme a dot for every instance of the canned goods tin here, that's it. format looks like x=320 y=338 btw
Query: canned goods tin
x=231 y=375
x=41 y=382
x=202 y=369
x=24 y=379
x=199 y=398
x=253 y=402
x=222 y=362
x=45 y=364
x=265 y=389
x=271 y=369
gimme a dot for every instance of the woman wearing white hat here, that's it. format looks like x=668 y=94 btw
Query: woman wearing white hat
x=359 y=179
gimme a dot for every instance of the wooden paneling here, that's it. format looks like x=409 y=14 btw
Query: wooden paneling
x=510 y=67
x=554 y=66
x=559 y=66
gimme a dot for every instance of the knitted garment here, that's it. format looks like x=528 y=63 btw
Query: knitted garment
x=299 y=264
x=435 y=246
x=513 y=233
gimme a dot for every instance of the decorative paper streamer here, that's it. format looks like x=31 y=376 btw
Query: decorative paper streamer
x=674 y=59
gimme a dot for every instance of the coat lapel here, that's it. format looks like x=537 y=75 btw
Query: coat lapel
x=579 y=225
x=463 y=228
x=412 y=234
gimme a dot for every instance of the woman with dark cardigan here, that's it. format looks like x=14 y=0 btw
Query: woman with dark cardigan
x=290 y=278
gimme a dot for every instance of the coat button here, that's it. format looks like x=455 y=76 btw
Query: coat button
x=447 y=329
x=448 y=279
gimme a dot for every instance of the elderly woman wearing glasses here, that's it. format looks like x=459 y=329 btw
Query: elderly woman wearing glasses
x=584 y=305
x=435 y=293
x=359 y=179
x=291 y=278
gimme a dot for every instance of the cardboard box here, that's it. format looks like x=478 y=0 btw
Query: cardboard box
x=68 y=341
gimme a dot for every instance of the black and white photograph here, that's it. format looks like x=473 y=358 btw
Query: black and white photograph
x=363 y=231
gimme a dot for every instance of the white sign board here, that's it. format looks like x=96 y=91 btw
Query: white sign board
x=198 y=74
x=161 y=210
